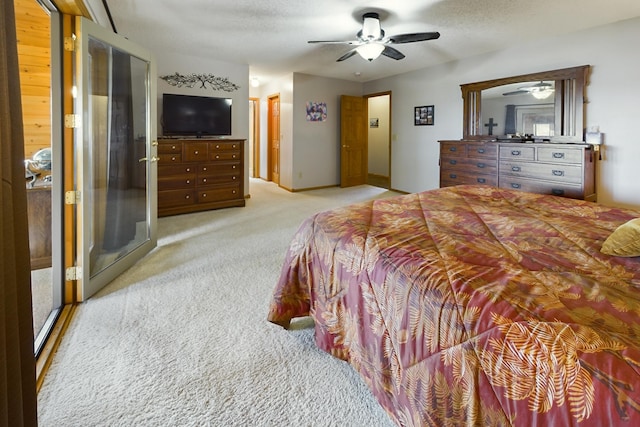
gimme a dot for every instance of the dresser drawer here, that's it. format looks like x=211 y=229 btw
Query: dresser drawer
x=542 y=187
x=221 y=168
x=195 y=151
x=225 y=155
x=172 y=198
x=517 y=152
x=482 y=151
x=547 y=171
x=216 y=194
x=455 y=148
x=470 y=165
x=170 y=147
x=224 y=146
x=175 y=182
x=450 y=177
x=170 y=158
x=560 y=155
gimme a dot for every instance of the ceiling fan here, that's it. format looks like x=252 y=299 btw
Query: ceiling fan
x=540 y=90
x=371 y=41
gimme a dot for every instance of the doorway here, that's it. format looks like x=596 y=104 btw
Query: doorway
x=379 y=139
x=254 y=137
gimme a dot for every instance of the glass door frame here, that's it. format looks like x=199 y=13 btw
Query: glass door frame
x=87 y=285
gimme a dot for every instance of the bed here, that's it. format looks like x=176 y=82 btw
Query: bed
x=475 y=305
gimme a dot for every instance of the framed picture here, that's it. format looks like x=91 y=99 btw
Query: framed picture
x=424 y=115
x=373 y=122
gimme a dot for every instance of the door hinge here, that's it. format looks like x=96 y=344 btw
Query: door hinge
x=72 y=197
x=73 y=273
x=71 y=121
x=69 y=44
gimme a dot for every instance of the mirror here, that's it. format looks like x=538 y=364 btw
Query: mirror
x=547 y=105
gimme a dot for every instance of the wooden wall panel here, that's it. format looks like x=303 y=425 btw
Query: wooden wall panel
x=33 y=30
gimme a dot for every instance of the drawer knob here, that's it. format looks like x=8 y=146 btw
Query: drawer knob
x=217 y=157
x=195 y=152
x=481 y=165
x=233 y=167
x=557 y=192
x=515 y=185
x=204 y=168
x=173 y=159
x=233 y=192
x=515 y=168
x=515 y=152
x=234 y=177
x=453 y=148
x=453 y=162
x=558 y=172
x=173 y=147
x=481 y=150
x=482 y=180
x=453 y=175
x=204 y=195
x=188 y=169
x=234 y=156
x=187 y=196
x=204 y=179
x=217 y=146
x=188 y=181
x=558 y=155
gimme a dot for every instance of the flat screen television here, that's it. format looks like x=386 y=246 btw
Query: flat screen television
x=188 y=115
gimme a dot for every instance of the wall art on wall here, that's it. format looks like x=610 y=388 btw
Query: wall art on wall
x=373 y=122
x=424 y=115
x=316 y=111
x=190 y=80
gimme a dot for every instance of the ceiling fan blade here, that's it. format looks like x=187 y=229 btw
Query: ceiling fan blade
x=347 y=55
x=412 y=37
x=516 y=92
x=392 y=53
x=349 y=42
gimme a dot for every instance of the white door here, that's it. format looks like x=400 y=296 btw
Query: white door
x=115 y=155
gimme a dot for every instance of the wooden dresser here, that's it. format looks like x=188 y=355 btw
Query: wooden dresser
x=199 y=174
x=559 y=169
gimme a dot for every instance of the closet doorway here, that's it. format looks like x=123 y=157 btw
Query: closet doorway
x=379 y=139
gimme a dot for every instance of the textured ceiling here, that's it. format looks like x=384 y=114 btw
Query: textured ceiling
x=271 y=35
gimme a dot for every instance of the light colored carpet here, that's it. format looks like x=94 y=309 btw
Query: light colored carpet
x=181 y=338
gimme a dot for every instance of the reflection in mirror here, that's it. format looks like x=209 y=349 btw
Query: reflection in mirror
x=519 y=109
x=547 y=105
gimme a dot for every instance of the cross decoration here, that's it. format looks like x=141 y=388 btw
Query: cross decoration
x=490 y=125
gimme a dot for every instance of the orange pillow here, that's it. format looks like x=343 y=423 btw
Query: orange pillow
x=624 y=241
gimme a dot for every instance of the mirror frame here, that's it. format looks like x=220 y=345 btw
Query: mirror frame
x=570 y=98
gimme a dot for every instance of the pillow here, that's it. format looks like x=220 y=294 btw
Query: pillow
x=624 y=241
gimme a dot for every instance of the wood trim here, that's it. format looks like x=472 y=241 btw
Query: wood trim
x=72 y=7
x=53 y=342
x=256 y=137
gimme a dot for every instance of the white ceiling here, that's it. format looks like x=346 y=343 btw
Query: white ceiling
x=271 y=35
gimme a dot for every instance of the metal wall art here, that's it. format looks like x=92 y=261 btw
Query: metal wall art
x=190 y=80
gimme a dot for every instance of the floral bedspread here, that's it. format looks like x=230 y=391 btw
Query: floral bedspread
x=474 y=305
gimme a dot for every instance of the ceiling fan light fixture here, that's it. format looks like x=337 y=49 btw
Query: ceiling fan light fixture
x=370 y=51
x=542 y=94
x=371 y=27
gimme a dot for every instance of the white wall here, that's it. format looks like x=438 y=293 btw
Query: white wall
x=613 y=104
x=316 y=145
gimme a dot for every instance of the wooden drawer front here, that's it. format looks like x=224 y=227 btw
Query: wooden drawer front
x=170 y=158
x=517 y=152
x=546 y=171
x=195 y=151
x=221 y=168
x=170 y=148
x=175 y=182
x=225 y=155
x=217 y=194
x=482 y=166
x=171 y=198
x=217 y=179
x=488 y=151
x=224 y=146
x=449 y=177
x=560 y=155
x=179 y=169
x=542 y=187
x=453 y=148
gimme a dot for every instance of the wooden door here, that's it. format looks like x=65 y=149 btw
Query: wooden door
x=353 y=141
x=273 y=130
